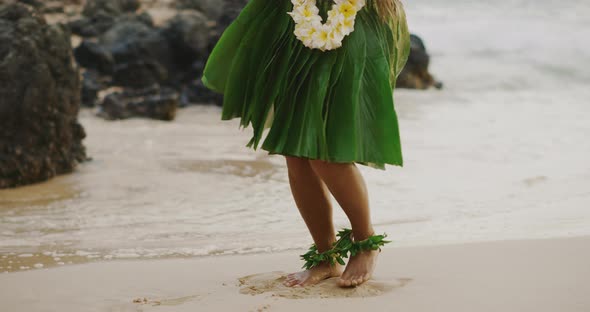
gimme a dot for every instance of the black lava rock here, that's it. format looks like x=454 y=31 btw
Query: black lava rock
x=40 y=136
x=151 y=102
x=92 y=55
x=92 y=83
x=415 y=74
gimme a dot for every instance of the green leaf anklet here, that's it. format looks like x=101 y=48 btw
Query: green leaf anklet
x=341 y=249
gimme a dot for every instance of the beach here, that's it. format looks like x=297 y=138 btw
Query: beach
x=500 y=153
x=520 y=275
x=489 y=213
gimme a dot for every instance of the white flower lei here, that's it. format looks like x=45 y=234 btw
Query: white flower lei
x=310 y=29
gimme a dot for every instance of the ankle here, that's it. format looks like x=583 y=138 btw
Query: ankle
x=362 y=235
x=327 y=265
x=326 y=245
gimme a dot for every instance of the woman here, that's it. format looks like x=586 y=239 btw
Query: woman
x=319 y=75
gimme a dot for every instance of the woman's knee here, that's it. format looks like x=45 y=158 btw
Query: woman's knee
x=321 y=165
x=316 y=163
x=294 y=162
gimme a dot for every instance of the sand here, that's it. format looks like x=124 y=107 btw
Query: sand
x=519 y=275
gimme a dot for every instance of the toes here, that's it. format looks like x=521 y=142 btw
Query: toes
x=290 y=282
x=362 y=279
x=293 y=283
x=344 y=282
x=352 y=282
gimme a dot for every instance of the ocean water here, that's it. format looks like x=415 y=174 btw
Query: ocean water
x=500 y=153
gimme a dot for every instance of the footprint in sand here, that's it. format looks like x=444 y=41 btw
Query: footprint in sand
x=146 y=304
x=272 y=282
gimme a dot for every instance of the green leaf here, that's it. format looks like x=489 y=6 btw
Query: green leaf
x=341 y=249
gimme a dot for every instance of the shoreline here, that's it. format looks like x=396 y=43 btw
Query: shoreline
x=33 y=261
x=511 y=275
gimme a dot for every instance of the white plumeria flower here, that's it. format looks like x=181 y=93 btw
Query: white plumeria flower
x=335 y=38
x=305 y=32
x=358 y=4
x=320 y=37
x=346 y=9
x=346 y=26
x=326 y=38
x=310 y=30
x=305 y=13
x=335 y=17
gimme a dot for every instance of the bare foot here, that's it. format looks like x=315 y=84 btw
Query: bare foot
x=313 y=275
x=359 y=269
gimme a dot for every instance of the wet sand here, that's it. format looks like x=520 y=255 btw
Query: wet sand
x=519 y=275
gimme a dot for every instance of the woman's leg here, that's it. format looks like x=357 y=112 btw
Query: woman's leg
x=312 y=198
x=346 y=183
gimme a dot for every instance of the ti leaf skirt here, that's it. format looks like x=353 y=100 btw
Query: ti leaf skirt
x=335 y=106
